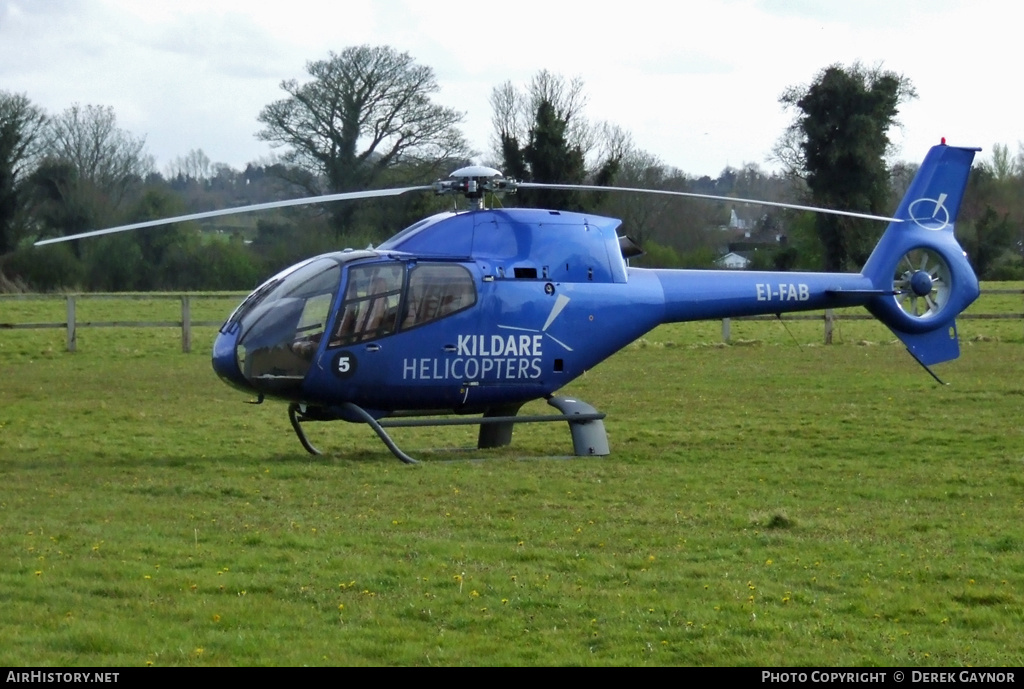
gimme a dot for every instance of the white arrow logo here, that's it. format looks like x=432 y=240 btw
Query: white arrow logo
x=561 y=301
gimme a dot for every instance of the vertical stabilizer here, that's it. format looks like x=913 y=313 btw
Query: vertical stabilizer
x=921 y=265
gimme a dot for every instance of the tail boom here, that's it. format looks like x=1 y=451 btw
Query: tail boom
x=692 y=295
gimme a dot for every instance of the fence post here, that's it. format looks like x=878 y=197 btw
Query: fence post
x=72 y=335
x=830 y=318
x=186 y=323
x=726 y=330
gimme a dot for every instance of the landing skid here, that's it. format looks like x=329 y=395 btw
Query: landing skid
x=586 y=425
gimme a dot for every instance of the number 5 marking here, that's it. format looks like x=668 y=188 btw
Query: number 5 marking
x=345 y=364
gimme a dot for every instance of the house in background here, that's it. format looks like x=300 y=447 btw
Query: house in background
x=749 y=236
x=733 y=261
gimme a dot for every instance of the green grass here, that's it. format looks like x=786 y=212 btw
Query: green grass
x=764 y=504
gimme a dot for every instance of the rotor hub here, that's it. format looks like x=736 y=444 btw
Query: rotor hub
x=921 y=283
x=474 y=182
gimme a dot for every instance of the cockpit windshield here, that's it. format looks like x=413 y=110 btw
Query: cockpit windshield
x=281 y=332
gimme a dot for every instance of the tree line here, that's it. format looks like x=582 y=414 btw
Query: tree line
x=367 y=118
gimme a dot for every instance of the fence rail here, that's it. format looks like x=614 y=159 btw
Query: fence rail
x=72 y=324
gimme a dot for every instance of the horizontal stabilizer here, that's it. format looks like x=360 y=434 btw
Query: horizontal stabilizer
x=860 y=292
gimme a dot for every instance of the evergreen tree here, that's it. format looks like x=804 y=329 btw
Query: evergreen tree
x=21 y=125
x=838 y=143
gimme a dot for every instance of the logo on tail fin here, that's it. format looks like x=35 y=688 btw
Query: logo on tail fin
x=931 y=214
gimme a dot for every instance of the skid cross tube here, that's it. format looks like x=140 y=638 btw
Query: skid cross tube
x=536 y=418
x=585 y=423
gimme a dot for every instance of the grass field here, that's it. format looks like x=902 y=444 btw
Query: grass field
x=764 y=504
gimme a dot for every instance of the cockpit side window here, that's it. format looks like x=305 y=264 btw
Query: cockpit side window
x=437 y=290
x=371 y=305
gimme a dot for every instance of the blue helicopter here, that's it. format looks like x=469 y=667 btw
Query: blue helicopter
x=477 y=312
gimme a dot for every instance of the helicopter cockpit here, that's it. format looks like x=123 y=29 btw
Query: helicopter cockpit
x=274 y=335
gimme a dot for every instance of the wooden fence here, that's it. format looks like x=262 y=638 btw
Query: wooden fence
x=72 y=324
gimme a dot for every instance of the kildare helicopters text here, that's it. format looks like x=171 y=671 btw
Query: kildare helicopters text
x=482 y=310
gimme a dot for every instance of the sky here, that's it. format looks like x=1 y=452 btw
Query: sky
x=695 y=83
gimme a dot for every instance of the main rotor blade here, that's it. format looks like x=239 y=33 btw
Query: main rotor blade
x=755 y=202
x=347 y=196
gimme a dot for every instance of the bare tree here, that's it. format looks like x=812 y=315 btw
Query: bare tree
x=193 y=165
x=508 y=116
x=641 y=214
x=103 y=156
x=363 y=112
x=88 y=166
